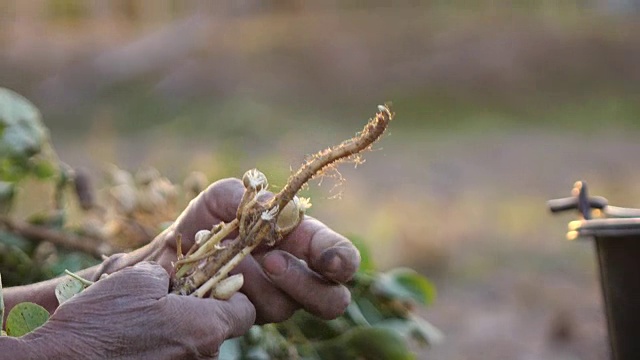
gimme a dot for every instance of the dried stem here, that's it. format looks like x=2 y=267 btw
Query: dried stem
x=205 y=250
x=218 y=237
x=224 y=271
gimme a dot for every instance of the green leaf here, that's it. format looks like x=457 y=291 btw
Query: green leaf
x=254 y=335
x=356 y=315
x=315 y=328
x=266 y=342
x=11 y=239
x=403 y=327
x=415 y=328
x=366 y=343
x=24 y=318
x=425 y=332
x=231 y=349
x=366 y=262
x=43 y=169
x=257 y=353
x=369 y=310
x=23 y=134
x=13 y=170
x=72 y=261
x=405 y=284
x=378 y=344
x=7 y=194
x=1 y=304
x=17 y=266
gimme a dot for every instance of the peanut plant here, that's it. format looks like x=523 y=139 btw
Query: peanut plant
x=207 y=264
x=378 y=323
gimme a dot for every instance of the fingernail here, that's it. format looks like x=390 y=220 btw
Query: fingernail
x=332 y=264
x=339 y=263
x=332 y=261
x=275 y=264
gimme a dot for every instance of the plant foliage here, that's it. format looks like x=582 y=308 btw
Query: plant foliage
x=380 y=323
x=24 y=318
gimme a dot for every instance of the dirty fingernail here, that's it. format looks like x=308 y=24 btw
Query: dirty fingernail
x=275 y=264
x=339 y=263
x=332 y=262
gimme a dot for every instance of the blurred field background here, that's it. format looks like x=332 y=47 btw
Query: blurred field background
x=500 y=106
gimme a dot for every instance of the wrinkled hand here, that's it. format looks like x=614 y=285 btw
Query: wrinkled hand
x=304 y=270
x=130 y=315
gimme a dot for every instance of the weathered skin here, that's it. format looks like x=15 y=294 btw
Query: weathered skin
x=129 y=315
x=304 y=270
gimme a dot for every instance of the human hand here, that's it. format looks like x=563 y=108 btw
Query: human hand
x=130 y=315
x=304 y=270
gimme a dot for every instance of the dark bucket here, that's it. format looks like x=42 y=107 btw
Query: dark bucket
x=616 y=233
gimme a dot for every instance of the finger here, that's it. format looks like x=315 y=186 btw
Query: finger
x=238 y=315
x=212 y=319
x=218 y=202
x=223 y=197
x=327 y=252
x=272 y=304
x=146 y=278
x=320 y=297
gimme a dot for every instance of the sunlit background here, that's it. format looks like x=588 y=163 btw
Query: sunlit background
x=500 y=106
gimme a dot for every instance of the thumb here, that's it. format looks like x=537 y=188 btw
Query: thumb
x=237 y=315
x=218 y=202
x=216 y=319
